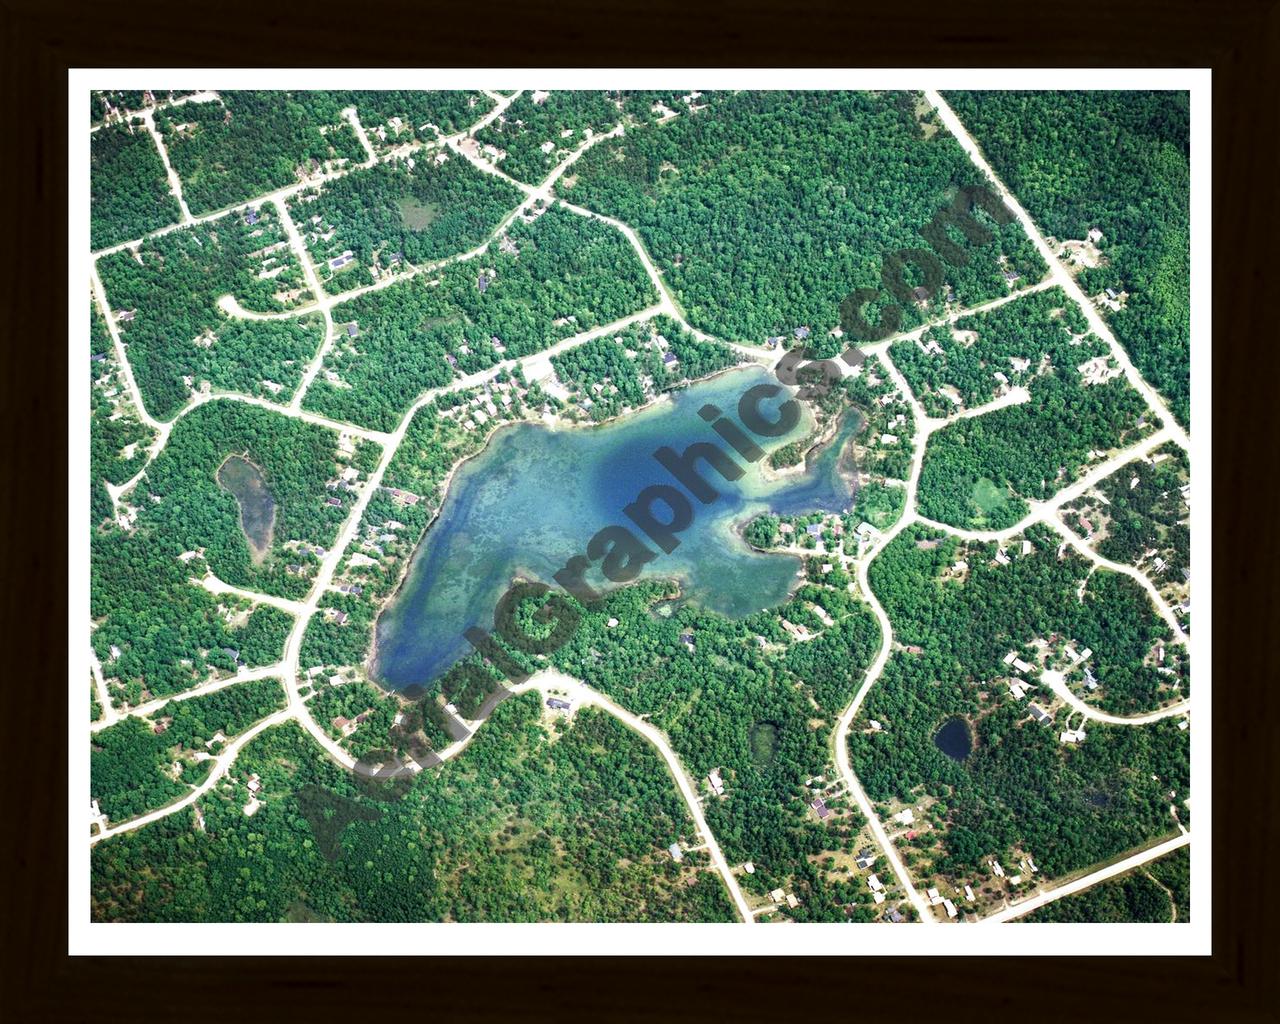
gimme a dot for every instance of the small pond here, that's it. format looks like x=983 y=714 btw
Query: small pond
x=954 y=739
x=257 y=508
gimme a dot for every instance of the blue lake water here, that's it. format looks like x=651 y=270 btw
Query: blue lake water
x=535 y=496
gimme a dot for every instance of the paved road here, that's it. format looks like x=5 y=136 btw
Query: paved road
x=1087 y=881
x=550 y=680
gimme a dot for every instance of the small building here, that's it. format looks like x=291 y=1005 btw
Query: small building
x=801 y=333
x=777 y=895
x=906 y=816
x=949 y=907
x=968 y=893
x=677 y=854
x=254 y=784
x=820 y=808
x=1040 y=715
x=1018 y=689
x=716 y=782
x=874 y=883
x=557 y=704
x=865 y=858
x=612 y=623
x=997 y=869
x=333 y=502
x=749 y=868
x=353 y=329
x=1094 y=235
x=934 y=897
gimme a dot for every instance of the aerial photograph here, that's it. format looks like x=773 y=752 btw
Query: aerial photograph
x=750 y=506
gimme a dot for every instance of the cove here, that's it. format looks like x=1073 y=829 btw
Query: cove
x=535 y=495
x=257 y=508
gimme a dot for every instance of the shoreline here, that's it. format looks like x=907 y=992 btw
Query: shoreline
x=369 y=665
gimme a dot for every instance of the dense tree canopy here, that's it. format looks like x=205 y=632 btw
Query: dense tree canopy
x=1119 y=162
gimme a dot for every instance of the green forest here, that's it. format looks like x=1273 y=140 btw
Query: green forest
x=246 y=144
x=978 y=471
x=172 y=289
x=1156 y=893
x=130 y=762
x=569 y=823
x=1070 y=806
x=768 y=209
x=113 y=424
x=1118 y=162
x=570 y=274
x=166 y=629
x=623 y=370
x=420 y=112
x=128 y=188
x=529 y=123
x=393 y=213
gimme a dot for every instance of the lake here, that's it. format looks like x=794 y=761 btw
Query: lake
x=954 y=739
x=535 y=496
x=257 y=508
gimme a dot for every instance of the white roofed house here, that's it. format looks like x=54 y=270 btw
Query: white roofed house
x=716 y=782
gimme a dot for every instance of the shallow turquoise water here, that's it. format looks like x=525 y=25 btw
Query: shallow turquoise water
x=535 y=496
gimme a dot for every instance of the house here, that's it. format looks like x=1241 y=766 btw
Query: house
x=333 y=502
x=1021 y=665
x=340 y=618
x=968 y=894
x=878 y=897
x=895 y=916
x=1040 y=715
x=1094 y=236
x=125 y=315
x=865 y=858
x=814 y=529
x=557 y=704
x=352 y=329
x=251 y=216
x=677 y=854
x=254 y=784
x=1011 y=276
x=749 y=868
x=906 y=816
x=801 y=333
x=716 y=782
x=1018 y=689
x=949 y=907
x=826 y=568
x=669 y=359
x=792 y=902
x=1026 y=548
x=820 y=808
x=777 y=895
x=875 y=726
x=1072 y=735
x=920 y=294
x=874 y=883
x=218 y=737
x=482 y=282
x=934 y=898
x=341 y=261
x=997 y=869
